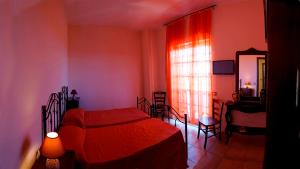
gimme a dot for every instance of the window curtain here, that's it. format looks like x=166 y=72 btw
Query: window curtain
x=188 y=64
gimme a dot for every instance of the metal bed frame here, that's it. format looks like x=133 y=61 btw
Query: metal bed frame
x=182 y=119
x=53 y=112
x=144 y=105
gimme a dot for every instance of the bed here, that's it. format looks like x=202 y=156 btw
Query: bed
x=101 y=118
x=118 y=138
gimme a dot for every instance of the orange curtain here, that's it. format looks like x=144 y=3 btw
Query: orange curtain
x=188 y=65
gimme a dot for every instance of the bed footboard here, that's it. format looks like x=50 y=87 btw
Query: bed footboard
x=144 y=105
x=183 y=120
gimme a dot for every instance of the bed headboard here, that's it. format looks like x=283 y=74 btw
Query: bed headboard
x=52 y=113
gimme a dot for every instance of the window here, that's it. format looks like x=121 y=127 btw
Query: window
x=189 y=68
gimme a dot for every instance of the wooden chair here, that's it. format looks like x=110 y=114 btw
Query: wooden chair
x=159 y=104
x=212 y=124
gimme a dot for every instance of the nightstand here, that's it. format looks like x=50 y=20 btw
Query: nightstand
x=72 y=103
x=67 y=161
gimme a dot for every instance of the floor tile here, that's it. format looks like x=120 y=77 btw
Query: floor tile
x=253 y=165
x=236 y=153
x=242 y=151
x=231 y=164
x=208 y=161
x=195 y=154
x=191 y=164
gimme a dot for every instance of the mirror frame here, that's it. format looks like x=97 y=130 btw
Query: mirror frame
x=250 y=51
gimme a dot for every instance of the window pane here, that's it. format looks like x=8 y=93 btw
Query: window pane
x=190 y=78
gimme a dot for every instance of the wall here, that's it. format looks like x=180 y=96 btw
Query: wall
x=248 y=64
x=105 y=66
x=33 y=53
x=153 y=61
x=248 y=72
x=236 y=25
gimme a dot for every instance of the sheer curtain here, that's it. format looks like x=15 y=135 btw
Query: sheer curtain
x=188 y=64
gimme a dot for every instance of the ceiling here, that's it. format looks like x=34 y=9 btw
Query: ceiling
x=136 y=14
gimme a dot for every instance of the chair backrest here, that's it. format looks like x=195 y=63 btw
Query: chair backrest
x=217 y=109
x=159 y=98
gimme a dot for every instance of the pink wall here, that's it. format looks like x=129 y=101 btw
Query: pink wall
x=235 y=26
x=105 y=66
x=161 y=41
x=153 y=61
x=149 y=48
x=248 y=71
x=33 y=52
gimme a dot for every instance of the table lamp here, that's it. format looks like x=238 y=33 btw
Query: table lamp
x=73 y=93
x=52 y=148
x=248 y=84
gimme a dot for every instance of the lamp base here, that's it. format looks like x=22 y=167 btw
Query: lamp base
x=52 y=163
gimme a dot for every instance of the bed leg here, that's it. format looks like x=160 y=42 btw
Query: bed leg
x=137 y=102
x=44 y=114
x=186 y=134
x=60 y=99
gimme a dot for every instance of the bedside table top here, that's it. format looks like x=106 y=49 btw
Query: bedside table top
x=72 y=103
x=71 y=98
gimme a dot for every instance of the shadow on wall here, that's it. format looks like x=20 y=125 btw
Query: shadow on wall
x=25 y=147
x=28 y=154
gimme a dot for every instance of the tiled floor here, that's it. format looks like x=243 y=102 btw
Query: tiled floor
x=242 y=151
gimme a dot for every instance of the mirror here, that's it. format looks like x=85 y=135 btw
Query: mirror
x=251 y=72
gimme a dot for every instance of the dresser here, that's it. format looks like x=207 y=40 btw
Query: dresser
x=245 y=117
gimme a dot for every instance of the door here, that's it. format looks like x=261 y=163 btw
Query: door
x=283 y=119
x=260 y=75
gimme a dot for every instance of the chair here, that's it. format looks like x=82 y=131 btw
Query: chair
x=159 y=104
x=212 y=124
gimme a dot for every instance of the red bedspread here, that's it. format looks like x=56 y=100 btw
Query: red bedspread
x=112 y=117
x=144 y=144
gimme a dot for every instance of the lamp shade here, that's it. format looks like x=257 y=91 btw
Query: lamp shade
x=74 y=92
x=248 y=84
x=52 y=146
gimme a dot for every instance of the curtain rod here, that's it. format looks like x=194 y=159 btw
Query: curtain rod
x=191 y=13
